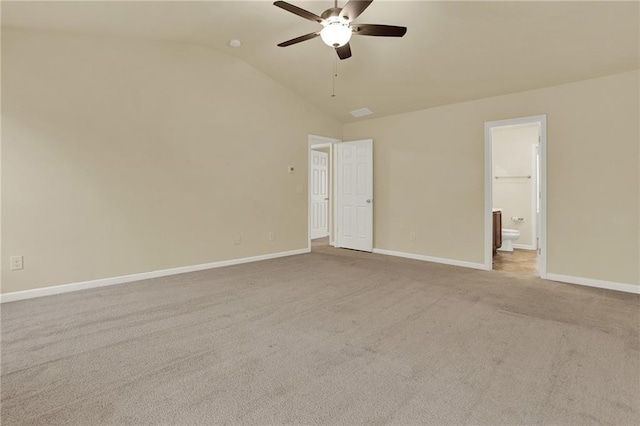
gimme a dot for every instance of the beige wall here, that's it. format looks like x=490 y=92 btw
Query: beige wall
x=124 y=156
x=429 y=176
x=512 y=155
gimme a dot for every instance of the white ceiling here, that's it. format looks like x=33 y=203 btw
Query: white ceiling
x=453 y=51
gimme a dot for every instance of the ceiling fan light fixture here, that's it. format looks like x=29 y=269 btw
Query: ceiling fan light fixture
x=338 y=25
x=336 y=34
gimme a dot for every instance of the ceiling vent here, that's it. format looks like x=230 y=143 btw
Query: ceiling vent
x=361 y=112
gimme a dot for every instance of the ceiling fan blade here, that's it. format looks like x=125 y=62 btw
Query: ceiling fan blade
x=298 y=39
x=344 y=52
x=354 y=8
x=379 y=30
x=298 y=11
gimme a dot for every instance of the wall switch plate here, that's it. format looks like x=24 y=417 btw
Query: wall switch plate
x=272 y=236
x=237 y=239
x=412 y=236
x=16 y=263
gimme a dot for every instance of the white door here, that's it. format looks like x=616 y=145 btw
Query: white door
x=355 y=195
x=319 y=194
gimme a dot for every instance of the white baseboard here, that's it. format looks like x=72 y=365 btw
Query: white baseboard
x=524 y=246
x=609 y=285
x=65 y=288
x=431 y=259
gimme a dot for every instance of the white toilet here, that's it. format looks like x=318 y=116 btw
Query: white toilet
x=508 y=237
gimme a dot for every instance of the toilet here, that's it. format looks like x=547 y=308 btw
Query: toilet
x=508 y=237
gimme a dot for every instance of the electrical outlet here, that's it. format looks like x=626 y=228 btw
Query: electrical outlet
x=299 y=189
x=237 y=239
x=16 y=263
x=272 y=236
x=412 y=236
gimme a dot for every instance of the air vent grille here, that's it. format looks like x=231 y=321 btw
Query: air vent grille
x=361 y=112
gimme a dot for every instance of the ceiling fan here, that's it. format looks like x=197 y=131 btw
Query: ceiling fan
x=338 y=25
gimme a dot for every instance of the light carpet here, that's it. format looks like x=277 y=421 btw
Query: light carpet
x=331 y=337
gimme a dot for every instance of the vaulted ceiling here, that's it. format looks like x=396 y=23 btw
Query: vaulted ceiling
x=452 y=52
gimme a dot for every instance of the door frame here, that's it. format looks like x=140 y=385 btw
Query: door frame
x=488 y=188
x=534 y=200
x=315 y=142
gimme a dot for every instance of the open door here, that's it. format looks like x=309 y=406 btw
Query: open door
x=354 y=183
x=319 y=194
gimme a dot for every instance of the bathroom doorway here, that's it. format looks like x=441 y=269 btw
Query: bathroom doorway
x=515 y=195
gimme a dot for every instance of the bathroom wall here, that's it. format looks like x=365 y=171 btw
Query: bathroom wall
x=512 y=155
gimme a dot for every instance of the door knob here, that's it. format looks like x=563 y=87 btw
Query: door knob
x=326 y=199
x=369 y=201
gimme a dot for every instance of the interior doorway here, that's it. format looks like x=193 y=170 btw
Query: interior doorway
x=515 y=195
x=321 y=191
x=340 y=193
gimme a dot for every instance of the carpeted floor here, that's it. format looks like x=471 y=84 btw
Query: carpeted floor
x=331 y=337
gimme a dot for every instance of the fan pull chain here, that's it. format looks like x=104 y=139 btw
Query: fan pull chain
x=335 y=61
x=335 y=75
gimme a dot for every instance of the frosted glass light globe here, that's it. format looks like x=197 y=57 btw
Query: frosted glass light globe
x=336 y=34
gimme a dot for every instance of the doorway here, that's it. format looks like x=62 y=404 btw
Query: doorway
x=340 y=194
x=321 y=191
x=515 y=195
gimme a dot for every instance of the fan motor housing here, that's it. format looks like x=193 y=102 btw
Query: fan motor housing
x=334 y=11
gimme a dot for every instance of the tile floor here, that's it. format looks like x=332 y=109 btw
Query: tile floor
x=519 y=261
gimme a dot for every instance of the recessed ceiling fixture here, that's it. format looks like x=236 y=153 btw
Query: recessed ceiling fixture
x=357 y=113
x=339 y=27
x=235 y=43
